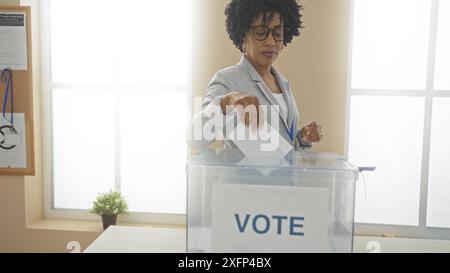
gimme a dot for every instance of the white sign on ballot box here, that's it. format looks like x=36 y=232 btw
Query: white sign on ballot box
x=269 y=219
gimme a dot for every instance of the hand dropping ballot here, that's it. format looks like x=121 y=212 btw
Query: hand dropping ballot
x=261 y=146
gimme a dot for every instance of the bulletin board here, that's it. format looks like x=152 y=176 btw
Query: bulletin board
x=18 y=159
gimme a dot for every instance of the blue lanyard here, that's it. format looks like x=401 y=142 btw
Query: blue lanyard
x=6 y=77
x=291 y=131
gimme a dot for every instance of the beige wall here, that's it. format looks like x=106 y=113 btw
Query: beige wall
x=315 y=64
x=21 y=198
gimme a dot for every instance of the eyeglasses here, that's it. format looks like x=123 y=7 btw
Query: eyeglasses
x=262 y=32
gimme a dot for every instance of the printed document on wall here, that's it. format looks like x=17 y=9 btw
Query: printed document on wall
x=13 y=149
x=13 y=41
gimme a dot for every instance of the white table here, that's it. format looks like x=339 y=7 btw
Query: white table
x=118 y=239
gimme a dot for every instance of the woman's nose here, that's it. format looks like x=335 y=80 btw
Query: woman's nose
x=270 y=41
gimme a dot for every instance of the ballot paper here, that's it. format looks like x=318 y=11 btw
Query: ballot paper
x=262 y=146
x=13 y=41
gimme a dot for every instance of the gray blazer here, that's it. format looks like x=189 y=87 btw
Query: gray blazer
x=243 y=77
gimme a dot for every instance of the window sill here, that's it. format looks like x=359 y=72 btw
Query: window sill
x=86 y=226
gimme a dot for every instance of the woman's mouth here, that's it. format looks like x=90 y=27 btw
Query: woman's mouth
x=269 y=54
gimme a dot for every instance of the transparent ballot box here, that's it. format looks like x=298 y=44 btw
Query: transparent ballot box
x=301 y=203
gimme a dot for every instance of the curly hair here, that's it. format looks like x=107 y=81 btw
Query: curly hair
x=240 y=14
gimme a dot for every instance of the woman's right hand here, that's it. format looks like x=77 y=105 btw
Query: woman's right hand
x=241 y=101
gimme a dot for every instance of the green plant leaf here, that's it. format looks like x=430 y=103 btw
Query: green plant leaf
x=109 y=204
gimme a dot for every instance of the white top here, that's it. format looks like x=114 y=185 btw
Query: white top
x=283 y=105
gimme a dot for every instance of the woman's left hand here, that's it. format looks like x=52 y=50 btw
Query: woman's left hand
x=312 y=133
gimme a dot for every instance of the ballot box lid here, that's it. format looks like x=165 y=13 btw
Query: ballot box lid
x=300 y=160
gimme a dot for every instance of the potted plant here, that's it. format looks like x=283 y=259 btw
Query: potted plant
x=109 y=205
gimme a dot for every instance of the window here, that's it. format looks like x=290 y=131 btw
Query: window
x=399 y=96
x=117 y=80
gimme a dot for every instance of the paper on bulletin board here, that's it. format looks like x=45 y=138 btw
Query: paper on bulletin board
x=13 y=150
x=13 y=41
x=231 y=202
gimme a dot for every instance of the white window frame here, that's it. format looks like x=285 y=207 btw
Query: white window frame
x=46 y=87
x=420 y=231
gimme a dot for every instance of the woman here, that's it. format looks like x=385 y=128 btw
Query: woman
x=260 y=29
